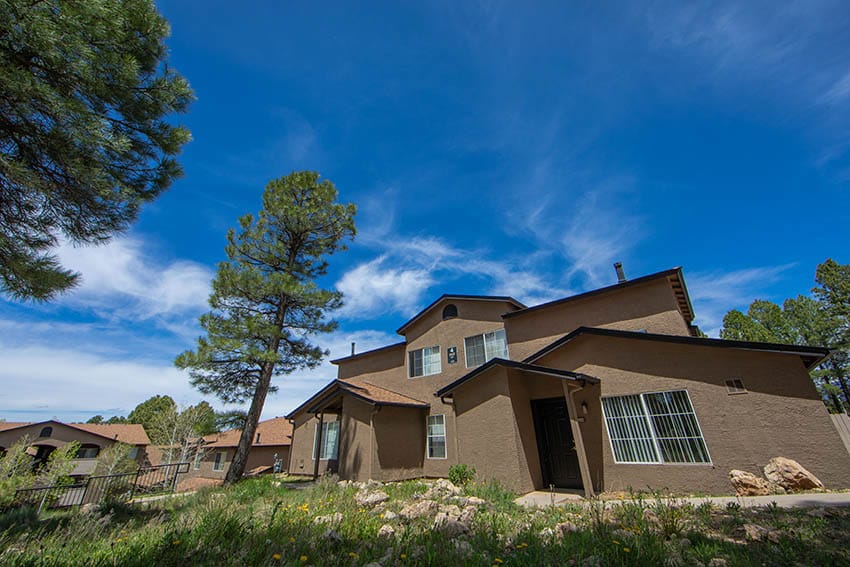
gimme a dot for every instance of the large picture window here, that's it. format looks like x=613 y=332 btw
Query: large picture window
x=436 y=437
x=660 y=427
x=424 y=362
x=481 y=348
x=330 y=441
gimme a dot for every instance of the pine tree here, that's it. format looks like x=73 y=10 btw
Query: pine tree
x=85 y=140
x=266 y=303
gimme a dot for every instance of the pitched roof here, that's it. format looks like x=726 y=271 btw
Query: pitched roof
x=368 y=352
x=130 y=433
x=496 y=298
x=272 y=432
x=533 y=368
x=361 y=390
x=673 y=275
x=811 y=356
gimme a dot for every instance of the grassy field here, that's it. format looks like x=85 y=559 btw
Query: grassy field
x=267 y=522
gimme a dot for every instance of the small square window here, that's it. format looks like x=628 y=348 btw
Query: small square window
x=735 y=386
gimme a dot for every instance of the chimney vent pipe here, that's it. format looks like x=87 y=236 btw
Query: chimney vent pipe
x=621 y=275
x=352 y=348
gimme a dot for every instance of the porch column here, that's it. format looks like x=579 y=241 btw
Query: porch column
x=318 y=447
x=578 y=439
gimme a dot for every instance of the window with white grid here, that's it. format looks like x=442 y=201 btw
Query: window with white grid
x=424 y=362
x=481 y=348
x=436 y=437
x=660 y=427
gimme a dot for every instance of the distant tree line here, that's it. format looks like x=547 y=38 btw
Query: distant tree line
x=819 y=319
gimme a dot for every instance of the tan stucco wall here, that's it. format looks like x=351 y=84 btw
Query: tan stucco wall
x=355 y=440
x=781 y=415
x=651 y=306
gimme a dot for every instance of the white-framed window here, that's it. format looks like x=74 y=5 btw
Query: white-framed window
x=218 y=460
x=199 y=454
x=436 y=437
x=659 y=427
x=330 y=441
x=481 y=348
x=424 y=362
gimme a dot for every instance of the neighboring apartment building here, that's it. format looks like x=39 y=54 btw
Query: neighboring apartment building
x=600 y=391
x=270 y=444
x=46 y=436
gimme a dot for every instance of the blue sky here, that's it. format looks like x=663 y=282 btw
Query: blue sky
x=491 y=147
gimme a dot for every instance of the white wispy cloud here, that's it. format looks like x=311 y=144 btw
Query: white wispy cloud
x=716 y=292
x=375 y=287
x=124 y=281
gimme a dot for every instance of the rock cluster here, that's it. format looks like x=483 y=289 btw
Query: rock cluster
x=781 y=474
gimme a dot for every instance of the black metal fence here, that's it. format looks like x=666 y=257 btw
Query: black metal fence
x=95 y=489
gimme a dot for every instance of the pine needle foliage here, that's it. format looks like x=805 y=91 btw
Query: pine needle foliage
x=85 y=96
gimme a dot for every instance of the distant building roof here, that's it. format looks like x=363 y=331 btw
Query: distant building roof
x=271 y=432
x=130 y=433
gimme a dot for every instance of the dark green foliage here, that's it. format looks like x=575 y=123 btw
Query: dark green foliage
x=461 y=474
x=822 y=320
x=84 y=140
x=150 y=411
x=266 y=305
x=232 y=419
x=95 y=419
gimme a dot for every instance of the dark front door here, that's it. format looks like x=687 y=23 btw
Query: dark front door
x=558 y=457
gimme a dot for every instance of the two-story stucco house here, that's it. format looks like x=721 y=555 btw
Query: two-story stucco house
x=600 y=391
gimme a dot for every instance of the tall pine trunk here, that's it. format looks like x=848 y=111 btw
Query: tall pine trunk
x=240 y=459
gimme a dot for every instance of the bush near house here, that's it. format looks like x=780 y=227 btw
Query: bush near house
x=265 y=522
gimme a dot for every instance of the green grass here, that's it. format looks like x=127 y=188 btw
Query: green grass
x=266 y=522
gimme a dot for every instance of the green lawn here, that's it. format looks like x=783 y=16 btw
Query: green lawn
x=266 y=522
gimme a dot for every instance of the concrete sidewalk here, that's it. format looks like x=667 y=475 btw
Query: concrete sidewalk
x=540 y=499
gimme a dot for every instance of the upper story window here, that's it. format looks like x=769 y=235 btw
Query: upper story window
x=449 y=311
x=481 y=348
x=424 y=362
x=88 y=451
x=46 y=432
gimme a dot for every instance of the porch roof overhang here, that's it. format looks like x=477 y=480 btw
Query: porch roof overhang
x=576 y=377
x=809 y=355
x=330 y=397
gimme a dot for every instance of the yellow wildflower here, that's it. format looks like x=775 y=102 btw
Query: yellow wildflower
x=276 y=556
x=352 y=555
x=175 y=542
x=403 y=556
x=292 y=540
x=303 y=558
x=626 y=549
x=497 y=560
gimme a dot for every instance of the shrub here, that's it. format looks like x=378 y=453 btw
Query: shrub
x=461 y=474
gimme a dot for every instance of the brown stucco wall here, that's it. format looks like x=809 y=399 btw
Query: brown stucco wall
x=301 y=459
x=487 y=434
x=781 y=415
x=399 y=443
x=651 y=306
x=356 y=443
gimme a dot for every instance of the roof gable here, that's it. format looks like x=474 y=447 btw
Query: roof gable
x=359 y=389
x=129 y=433
x=450 y=297
x=673 y=275
x=536 y=369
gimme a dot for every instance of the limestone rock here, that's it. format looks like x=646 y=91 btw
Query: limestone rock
x=718 y=562
x=370 y=498
x=332 y=536
x=418 y=509
x=790 y=475
x=386 y=531
x=467 y=514
x=334 y=518
x=565 y=528
x=443 y=488
x=390 y=515
x=451 y=528
x=755 y=532
x=748 y=484
x=464 y=548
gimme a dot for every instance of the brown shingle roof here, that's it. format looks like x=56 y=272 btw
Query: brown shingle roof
x=378 y=395
x=272 y=432
x=130 y=433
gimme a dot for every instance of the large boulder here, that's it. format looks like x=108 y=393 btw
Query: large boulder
x=748 y=484
x=418 y=510
x=369 y=498
x=790 y=475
